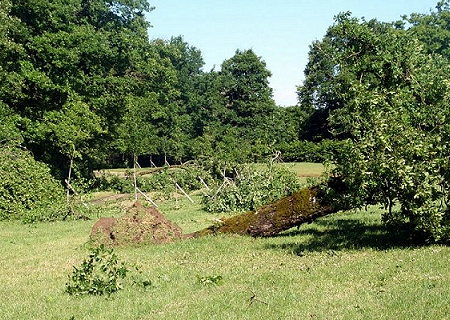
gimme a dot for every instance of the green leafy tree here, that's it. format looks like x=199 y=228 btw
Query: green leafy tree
x=178 y=128
x=95 y=50
x=249 y=105
x=246 y=89
x=432 y=29
x=136 y=134
x=71 y=130
x=387 y=97
x=369 y=53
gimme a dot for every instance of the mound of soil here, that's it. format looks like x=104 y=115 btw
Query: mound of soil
x=140 y=225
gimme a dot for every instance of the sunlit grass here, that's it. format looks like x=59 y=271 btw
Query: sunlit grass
x=305 y=169
x=302 y=169
x=344 y=266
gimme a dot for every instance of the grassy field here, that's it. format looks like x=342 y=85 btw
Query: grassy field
x=344 y=266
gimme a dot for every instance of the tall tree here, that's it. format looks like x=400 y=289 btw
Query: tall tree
x=246 y=88
x=71 y=130
x=187 y=63
x=249 y=106
x=370 y=53
x=432 y=29
x=388 y=98
x=136 y=134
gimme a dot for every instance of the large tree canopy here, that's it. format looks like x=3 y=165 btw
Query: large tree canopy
x=96 y=51
x=378 y=88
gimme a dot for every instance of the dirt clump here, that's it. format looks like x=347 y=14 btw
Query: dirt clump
x=140 y=225
x=103 y=227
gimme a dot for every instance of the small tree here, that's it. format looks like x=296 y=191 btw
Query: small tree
x=71 y=129
x=136 y=134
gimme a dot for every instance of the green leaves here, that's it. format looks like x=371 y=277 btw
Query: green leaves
x=252 y=187
x=9 y=132
x=72 y=127
x=210 y=280
x=27 y=190
x=387 y=96
x=101 y=273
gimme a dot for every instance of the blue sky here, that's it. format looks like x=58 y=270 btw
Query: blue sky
x=280 y=31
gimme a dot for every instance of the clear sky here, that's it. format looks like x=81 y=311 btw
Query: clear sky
x=280 y=31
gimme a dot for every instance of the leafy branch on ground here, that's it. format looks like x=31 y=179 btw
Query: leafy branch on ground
x=102 y=273
x=252 y=186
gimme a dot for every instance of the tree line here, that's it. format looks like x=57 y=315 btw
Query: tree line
x=82 y=84
x=83 y=87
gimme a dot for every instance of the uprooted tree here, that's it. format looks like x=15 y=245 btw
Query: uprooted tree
x=147 y=225
x=303 y=206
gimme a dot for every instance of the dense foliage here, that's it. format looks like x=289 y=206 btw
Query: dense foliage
x=386 y=97
x=27 y=189
x=252 y=187
x=83 y=87
x=87 y=86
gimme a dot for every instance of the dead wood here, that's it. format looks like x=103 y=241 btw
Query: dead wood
x=303 y=206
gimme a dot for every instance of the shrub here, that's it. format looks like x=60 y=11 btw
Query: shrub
x=252 y=187
x=100 y=274
x=27 y=189
x=110 y=182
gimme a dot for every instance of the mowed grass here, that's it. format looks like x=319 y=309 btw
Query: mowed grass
x=344 y=266
x=305 y=169
x=302 y=169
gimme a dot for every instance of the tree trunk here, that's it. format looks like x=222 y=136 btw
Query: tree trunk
x=303 y=206
x=134 y=177
x=69 y=176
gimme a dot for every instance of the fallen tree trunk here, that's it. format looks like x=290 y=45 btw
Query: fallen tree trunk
x=303 y=206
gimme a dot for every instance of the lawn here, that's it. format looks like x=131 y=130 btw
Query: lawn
x=344 y=266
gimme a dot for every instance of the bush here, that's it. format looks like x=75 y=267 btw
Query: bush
x=100 y=274
x=252 y=187
x=27 y=189
x=110 y=182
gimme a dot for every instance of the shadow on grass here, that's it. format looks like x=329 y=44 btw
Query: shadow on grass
x=345 y=234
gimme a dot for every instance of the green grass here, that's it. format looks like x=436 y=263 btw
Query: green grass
x=302 y=169
x=305 y=169
x=344 y=266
